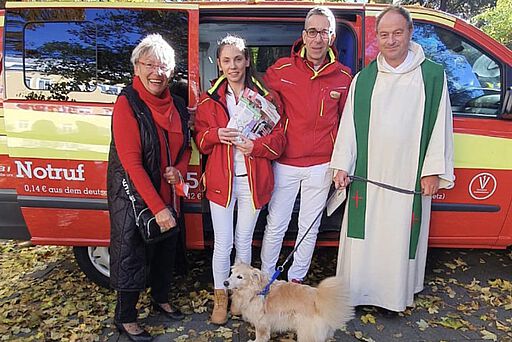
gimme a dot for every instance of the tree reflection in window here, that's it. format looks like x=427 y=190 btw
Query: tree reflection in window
x=63 y=53
x=473 y=78
x=91 y=51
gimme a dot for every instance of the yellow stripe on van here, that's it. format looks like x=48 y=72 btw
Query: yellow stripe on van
x=195 y=157
x=59 y=135
x=21 y=148
x=2 y=123
x=90 y=4
x=2 y=21
x=39 y=134
x=3 y=145
x=481 y=152
x=450 y=22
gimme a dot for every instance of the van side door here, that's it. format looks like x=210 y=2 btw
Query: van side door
x=64 y=67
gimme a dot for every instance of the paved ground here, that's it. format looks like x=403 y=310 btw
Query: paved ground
x=468 y=297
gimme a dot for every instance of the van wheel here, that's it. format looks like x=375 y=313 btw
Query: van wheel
x=95 y=263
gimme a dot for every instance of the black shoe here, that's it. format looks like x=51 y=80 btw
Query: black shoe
x=175 y=314
x=144 y=336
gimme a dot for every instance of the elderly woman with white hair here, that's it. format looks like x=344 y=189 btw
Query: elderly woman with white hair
x=149 y=151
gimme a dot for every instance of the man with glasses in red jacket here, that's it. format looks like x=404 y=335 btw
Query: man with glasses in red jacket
x=313 y=86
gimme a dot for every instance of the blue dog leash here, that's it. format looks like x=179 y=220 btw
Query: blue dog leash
x=280 y=269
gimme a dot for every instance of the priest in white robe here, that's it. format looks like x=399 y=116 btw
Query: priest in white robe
x=396 y=129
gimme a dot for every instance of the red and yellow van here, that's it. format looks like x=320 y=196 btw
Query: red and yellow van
x=64 y=63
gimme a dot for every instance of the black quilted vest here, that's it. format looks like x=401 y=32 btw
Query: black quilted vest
x=127 y=250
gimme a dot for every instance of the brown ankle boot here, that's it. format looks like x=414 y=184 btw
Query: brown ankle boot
x=220 y=307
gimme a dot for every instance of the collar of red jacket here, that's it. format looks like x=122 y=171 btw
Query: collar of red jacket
x=219 y=88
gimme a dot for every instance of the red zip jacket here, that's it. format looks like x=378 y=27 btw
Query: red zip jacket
x=312 y=102
x=211 y=115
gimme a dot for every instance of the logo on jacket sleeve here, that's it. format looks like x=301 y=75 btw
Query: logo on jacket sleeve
x=335 y=94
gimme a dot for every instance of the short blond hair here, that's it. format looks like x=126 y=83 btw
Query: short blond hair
x=154 y=45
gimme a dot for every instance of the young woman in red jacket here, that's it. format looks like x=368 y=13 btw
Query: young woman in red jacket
x=238 y=169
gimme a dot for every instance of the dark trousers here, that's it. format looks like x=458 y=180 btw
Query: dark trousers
x=160 y=258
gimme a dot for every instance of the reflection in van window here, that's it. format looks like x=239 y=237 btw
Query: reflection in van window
x=267 y=42
x=473 y=77
x=83 y=54
x=62 y=54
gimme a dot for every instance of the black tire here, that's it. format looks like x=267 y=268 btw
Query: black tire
x=93 y=261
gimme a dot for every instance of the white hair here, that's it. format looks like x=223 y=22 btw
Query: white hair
x=154 y=45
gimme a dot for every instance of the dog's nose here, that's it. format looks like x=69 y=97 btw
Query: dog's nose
x=226 y=283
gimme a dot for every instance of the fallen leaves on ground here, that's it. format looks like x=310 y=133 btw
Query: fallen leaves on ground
x=368 y=318
x=45 y=297
x=65 y=306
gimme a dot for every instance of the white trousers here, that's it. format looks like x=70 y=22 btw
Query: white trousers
x=222 y=219
x=314 y=183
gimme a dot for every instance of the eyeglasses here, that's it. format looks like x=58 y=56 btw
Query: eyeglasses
x=313 y=33
x=150 y=67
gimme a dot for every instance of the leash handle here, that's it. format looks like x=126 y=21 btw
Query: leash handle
x=385 y=186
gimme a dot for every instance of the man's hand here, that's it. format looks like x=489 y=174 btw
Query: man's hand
x=341 y=179
x=244 y=145
x=429 y=185
x=165 y=220
x=227 y=135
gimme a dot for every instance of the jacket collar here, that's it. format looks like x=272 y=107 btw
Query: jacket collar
x=299 y=51
x=219 y=88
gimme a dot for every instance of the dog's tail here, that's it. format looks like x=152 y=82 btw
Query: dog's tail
x=333 y=302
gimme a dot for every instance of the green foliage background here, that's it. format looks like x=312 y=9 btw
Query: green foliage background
x=497 y=22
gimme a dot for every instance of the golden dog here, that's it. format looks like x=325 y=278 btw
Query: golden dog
x=313 y=313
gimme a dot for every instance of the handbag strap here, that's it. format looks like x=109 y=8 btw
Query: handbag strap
x=126 y=186
x=168 y=149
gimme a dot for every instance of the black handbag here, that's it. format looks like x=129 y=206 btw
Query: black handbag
x=145 y=221
x=150 y=230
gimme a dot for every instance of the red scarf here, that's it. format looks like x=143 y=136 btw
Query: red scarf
x=161 y=107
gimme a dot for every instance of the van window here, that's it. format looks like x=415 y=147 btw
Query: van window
x=473 y=77
x=83 y=54
x=267 y=43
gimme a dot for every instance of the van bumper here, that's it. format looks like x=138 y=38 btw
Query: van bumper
x=12 y=224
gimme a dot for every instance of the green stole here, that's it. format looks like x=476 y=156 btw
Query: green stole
x=433 y=80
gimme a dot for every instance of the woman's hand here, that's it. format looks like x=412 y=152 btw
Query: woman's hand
x=172 y=175
x=244 y=145
x=228 y=135
x=165 y=219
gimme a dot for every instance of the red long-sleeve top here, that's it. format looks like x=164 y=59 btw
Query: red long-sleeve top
x=128 y=144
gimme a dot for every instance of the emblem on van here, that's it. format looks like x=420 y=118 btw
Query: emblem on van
x=482 y=186
x=24 y=169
